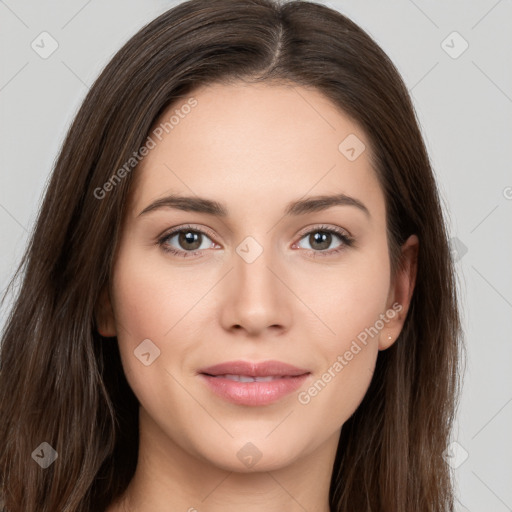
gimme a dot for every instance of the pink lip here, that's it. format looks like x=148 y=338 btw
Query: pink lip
x=287 y=379
x=264 y=369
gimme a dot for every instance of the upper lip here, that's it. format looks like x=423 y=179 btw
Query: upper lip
x=254 y=369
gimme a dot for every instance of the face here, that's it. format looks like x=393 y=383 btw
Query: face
x=306 y=285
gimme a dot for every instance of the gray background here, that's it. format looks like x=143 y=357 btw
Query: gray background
x=464 y=105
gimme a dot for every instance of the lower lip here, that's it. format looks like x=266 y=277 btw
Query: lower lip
x=253 y=393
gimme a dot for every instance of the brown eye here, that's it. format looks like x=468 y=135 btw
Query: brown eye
x=320 y=241
x=185 y=241
x=189 y=240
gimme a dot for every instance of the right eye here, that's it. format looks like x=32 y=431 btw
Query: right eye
x=189 y=240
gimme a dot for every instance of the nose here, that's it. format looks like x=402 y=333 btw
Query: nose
x=255 y=297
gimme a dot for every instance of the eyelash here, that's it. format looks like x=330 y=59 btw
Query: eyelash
x=347 y=241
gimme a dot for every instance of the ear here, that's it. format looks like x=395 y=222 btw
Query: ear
x=400 y=292
x=104 y=314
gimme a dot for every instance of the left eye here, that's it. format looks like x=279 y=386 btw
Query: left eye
x=320 y=240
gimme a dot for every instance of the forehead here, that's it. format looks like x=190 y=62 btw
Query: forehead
x=248 y=145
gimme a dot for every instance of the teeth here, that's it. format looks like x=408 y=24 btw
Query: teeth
x=246 y=378
x=243 y=378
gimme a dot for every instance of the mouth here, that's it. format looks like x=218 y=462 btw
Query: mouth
x=248 y=378
x=277 y=369
x=253 y=384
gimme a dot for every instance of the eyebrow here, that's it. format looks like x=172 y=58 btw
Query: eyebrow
x=211 y=207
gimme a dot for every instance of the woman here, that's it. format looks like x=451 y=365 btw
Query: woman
x=239 y=291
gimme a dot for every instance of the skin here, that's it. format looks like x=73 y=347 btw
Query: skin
x=254 y=148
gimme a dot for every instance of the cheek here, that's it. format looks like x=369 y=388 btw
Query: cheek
x=149 y=299
x=349 y=355
x=145 y=304
x=334 y=395
x=352 y=305
x=345 y=299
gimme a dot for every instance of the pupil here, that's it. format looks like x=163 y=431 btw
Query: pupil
x=322 y=238
x=190 y=238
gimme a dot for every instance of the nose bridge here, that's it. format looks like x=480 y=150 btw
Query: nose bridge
x=252 y=274
x=256 y=300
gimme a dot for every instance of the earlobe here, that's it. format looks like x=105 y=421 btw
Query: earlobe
x=386 y=340
x=401 y=293
x=104 y=315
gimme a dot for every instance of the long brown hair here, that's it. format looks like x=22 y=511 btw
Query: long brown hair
x=62 y=383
